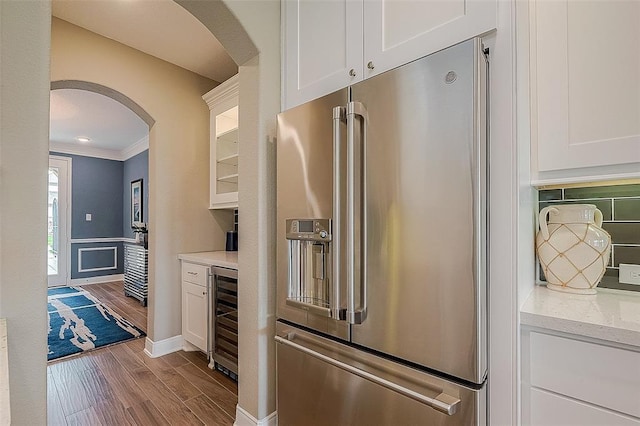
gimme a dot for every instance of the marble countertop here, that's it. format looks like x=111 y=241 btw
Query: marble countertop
x=224 y=259
x=609 y=315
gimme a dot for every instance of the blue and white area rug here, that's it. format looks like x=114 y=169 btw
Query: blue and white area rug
x=79 y=322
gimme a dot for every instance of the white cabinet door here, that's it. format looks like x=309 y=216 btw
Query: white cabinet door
x=399 y=31
x=597 y=374
x=548 y=409
x=585 y=80
x=194 y=314
x=322 y=48
x=329 y=45
x=574 y=382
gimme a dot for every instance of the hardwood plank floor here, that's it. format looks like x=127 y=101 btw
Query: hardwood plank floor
x=120 y=385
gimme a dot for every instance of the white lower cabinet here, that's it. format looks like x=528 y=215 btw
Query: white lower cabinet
x=195 y=304
x=550 y=409
x=567 y=381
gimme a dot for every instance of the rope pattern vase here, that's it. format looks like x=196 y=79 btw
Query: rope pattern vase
x=572 y=247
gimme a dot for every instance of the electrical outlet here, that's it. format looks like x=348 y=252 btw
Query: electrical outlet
x=629 y=274
x=87 y=217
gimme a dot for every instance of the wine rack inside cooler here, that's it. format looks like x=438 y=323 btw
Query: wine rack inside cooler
x=225 y=342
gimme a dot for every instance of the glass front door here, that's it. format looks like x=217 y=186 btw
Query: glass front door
x=57 y=239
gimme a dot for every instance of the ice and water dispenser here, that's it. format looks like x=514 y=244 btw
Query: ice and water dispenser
x=309 y=244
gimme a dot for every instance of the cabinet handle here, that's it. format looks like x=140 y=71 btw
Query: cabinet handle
x=370 y=65
x=192 y=273
x=352 y=72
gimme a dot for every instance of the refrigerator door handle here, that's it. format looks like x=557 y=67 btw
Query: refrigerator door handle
x=443 y=403
x=356 y=215
x=336 y=309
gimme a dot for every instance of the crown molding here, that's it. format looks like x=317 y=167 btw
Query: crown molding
x=222 y=92
x=106 y=154
x=87 y=151
x=135 y=149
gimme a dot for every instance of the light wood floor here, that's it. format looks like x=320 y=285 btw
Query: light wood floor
x=120 y=385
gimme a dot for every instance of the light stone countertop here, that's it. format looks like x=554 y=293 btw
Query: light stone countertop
x=610 y=315
x=223 y=259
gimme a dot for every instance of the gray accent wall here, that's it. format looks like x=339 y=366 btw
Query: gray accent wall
x=136 y=167
x=96 y=188
x=102 y=188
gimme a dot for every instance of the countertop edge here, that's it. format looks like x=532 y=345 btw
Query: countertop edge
x=582 y=329
x=538 y=312
x=223 y=259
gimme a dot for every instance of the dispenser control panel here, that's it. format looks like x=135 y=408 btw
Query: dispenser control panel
x=309 y=229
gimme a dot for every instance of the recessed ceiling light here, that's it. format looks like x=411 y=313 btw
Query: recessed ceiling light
x=82 y=139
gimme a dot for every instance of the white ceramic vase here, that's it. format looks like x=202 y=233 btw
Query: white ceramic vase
x=572 y=247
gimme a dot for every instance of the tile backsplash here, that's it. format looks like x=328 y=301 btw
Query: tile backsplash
x=620 y=207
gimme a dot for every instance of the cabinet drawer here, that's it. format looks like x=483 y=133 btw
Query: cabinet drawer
x=196 y=274
x=602 y=375
x=548 y=409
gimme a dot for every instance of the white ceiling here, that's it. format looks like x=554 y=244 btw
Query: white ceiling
x=161 y=28
x=80 y=113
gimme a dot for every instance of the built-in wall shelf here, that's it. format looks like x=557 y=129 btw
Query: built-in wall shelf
x=233 y=178
x=223 y=106
x=229 y=159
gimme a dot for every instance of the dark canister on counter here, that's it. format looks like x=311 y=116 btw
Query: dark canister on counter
x=232 y=241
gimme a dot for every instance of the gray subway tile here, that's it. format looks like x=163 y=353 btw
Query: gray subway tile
x=610 y=280
x=603 y=205
x=627 y=209
x=625 y=254
x=611 y=191
x=611 y=272
x=550 y=194
x=623 y=232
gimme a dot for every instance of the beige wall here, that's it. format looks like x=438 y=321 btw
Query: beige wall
x=179 y=219
x=24 y=133
x=259 y=104
x=260 y=88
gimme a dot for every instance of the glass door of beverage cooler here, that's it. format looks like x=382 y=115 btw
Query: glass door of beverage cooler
x=224 y=351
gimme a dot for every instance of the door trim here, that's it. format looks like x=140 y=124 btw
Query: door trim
x=67 y=219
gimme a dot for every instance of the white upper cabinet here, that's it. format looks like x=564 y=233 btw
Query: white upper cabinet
x=329 y=45
x=223 y=147
x=585 y=88
x=322 y=47
x=399 y=31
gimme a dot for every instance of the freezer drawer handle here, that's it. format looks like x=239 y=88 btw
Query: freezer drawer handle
x=444 y=403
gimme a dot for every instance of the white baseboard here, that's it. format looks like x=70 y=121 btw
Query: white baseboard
x=97 y=280
x=155 y=349
x=243 y=418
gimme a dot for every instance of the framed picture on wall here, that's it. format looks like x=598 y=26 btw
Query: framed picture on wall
x=136 y=201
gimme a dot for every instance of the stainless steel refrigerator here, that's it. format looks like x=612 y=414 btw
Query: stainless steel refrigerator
x=381 y=249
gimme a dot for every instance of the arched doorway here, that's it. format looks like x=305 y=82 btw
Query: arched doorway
x=102 y=135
